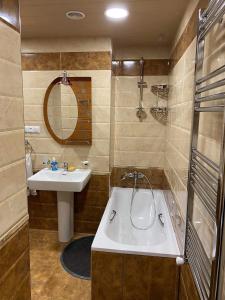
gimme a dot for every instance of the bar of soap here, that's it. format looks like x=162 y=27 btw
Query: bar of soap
x=71 y=168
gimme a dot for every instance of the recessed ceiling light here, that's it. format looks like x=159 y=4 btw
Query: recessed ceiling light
x=75 y=15
x=116 y=13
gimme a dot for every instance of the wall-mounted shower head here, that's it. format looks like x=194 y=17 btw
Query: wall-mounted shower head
x=142 y=63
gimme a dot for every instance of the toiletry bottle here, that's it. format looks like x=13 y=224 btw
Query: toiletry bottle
x=54 y=164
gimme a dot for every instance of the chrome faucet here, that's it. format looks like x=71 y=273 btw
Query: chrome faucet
x=132 y=175
x=135 y=175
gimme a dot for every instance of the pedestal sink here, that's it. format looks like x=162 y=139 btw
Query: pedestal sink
x=65 y=184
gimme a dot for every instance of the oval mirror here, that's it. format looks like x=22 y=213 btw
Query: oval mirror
x=67 y=110
x=62 y=111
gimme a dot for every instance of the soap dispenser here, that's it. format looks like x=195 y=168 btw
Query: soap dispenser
x=54 y=164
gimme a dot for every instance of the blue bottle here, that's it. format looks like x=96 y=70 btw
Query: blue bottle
x=54 y=164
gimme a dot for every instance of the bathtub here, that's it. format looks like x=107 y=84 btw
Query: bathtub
x=119 y=236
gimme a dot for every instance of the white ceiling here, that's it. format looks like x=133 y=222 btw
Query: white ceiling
x=150 y=22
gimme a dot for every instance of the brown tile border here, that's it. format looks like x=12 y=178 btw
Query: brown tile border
x=66 y=61
x=155 y=175
x=152 y=67
x=15 y=266
x=40 y=61
x=9 y=13
x=187 y=36
x=86 y=60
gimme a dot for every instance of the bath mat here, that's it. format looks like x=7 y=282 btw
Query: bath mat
x=76 y=257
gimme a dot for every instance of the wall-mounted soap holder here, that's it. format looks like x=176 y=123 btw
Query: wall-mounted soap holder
x=160 y=112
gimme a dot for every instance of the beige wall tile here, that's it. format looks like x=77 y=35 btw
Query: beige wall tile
x=12 y=146
x=10 y=79
x=101 y=130
x=34 y=96
x=13 y=199
x=101 y=114
x=12 y=210
x=9 y=44
x=33 y=113
x=181 y=82
x=35 y=85
x=38 y=79
x=140 y=144
x=139 y=159
x=101 y=96
x=13 y=179
x=139 y=130
x=11 y=113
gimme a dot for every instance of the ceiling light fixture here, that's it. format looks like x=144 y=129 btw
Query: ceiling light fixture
x=116 y=13
x=75 y=15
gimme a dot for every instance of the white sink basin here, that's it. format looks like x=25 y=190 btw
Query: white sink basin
x=60 y=180
x=65 y=184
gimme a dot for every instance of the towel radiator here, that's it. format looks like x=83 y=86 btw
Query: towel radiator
x=206 y=179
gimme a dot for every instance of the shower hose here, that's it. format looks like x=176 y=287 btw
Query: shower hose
x=132 y=202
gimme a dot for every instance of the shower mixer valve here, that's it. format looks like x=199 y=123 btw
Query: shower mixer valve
x=132 y=175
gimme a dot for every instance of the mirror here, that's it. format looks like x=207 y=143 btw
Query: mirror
x=67 y=111
x=62 y=110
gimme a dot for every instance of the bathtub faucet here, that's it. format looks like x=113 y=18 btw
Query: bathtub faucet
x=132 y=175
x=135 y=176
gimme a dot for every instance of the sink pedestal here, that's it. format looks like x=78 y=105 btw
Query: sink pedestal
x=65 y=216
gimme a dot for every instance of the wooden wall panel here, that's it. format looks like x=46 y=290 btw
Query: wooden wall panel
x=187 y=288
x=15 y=266
x=133 y=277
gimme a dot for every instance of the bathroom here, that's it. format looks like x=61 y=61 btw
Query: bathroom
x=112 y=150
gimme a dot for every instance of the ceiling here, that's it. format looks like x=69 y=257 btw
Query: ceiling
x=150 y=22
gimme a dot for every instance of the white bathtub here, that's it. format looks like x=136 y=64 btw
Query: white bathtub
x=121 y=237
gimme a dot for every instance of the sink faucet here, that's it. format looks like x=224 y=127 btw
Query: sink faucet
x=65 y=166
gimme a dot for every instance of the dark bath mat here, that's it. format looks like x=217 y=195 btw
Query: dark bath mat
x=76 y=257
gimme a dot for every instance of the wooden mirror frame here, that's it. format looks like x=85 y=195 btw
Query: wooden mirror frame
x=82 y=134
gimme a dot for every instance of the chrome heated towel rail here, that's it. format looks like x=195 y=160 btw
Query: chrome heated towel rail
x=206 y=178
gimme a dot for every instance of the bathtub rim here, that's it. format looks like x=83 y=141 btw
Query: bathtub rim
x=103 y=243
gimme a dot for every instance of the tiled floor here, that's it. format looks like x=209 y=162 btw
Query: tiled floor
x=48 y=279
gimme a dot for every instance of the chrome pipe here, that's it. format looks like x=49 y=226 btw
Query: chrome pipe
x=204 y=201
x=213 y=19
x=204 y=190
x=200 y=265
x=211 y=12
x=208 y=161
x=193 y=249
x=218 y=108
x=209 y=8
x=198 y=173
x=211 y=75
x=218 y=96
x=207 y=173
x=211 y=86
x=194 y=242
x=204 y=294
